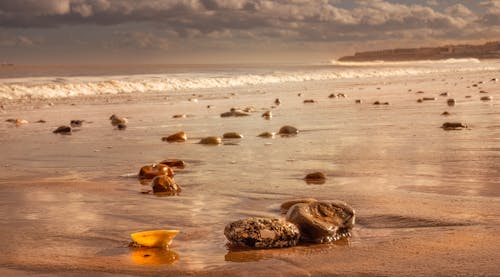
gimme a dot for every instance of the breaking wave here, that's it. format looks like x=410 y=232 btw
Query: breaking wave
x=407 y=63
x=58 y=87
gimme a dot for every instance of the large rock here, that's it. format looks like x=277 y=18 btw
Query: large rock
x=165 y=185
x=153 y=170
x=177 y=137
x=260 y=232
x=321 y=221
x=288 y=130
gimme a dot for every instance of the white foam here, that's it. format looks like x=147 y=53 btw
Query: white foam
x=56 y=87
x=407 y=63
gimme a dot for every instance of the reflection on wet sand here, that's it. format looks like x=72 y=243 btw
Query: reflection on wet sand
x=153 y=256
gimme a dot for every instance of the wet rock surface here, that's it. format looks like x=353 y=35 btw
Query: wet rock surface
x=453 y=126
x=232 y=135
x=288 y=130
x=153 y=170
x=211 y=141
x=165 y=185
x=174 y=163
x=322 y=221
x=177 y=137
x=258 y=232
x=315 y=178
x=64 y=130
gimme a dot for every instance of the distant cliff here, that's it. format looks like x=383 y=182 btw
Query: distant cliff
x=490 y=50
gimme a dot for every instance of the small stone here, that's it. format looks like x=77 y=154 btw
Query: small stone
x=315 y=178
x=267 y=115
x=277 y=102
x=321 y=221
x=309 y=101
x=445 y=113
x=486 y=98
x=332 y=95
x=358 y=101
x=444 y=94
x=288 y=130
x=232 y=135
x=341 y=95
x=420 y=100
x=419 y=92
x=258 y=232
x=451 y=102
x=380 y=103
x=177 y=137
x=194 y=100
x=165 y=185
x=76 y=123
x=299 y=94
x=468 y=96
x=179 y=116
x=483 y=91
x=211 y=140
x=453 y=126
x=429 y=98
x=116 y=120
x=267 y=135
x=174 y=163
x=41 y=121
x=234 y=113
x=121 y=126
x=153 y=170
x=64 y=130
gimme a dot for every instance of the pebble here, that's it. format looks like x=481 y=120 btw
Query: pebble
x=429 y=98
x=332 y=95
x=267 y=115
x=288 y=130
x=64 y=130
x=444 y=94
x=116 y=120
x=267 y=135
x=451 y=102
x=321 y=221
x=277 y=101
x=165 y=185
x=179 y=116
x=153 y=170
x=177 y=137
x=234 y=113
x=121 y=126
x=486 y=98
x=211 y=140
x=260 y=232
x=76 y=123
x=307 y=101
x=232 y=135
x=483 y=91
x=174 y=163
x=358 y=101
x=315 y=178
x=445 y=113
x=380 y=103
x=453 y=126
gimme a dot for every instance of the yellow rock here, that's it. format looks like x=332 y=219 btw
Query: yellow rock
x=154 y=238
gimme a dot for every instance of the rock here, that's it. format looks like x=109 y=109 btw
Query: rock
x=286 y=205
x=444 y=94
x=308 y=101
x=17 y=121
x=486 y=98
x=341 y=95
x=380 y=103
x=358 y=101
x=267 y=115
x=266 y=135
x=153 y=238
x=153 y=170
x=165 y=185
x=420 y=100
x=174 y=163
x=277 y=102
x=299 y=94
x=494 y=80
x=429 y=98
x=315 y=178
x=419 y=92
x=288 y=130
x=468 y=96
x=453 y=126
x=483 y=91
x=76 y=123
x=64 y=130
x=257 y=232
x=211 y=140
x=445 y=113
x=332 y=95
x=232 y=135
x=451 y=102
x=179 y=116
x=321 y=221
x=193 y=100
x=234 y=113
x=177 y=137
x=116 y=120
x=121 y=126
x=41 y=121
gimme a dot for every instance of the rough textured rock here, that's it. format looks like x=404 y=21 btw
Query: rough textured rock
x=277 y=101
x=321 y=221
x=259 y=232
x=288 y=130
x=177 y=137
x=211 y=140
x=232 y=135
x=453 y=126
x=65 y=130
x=153 y=170
x=165 y=185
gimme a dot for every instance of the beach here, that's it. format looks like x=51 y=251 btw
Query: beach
x=426 y=199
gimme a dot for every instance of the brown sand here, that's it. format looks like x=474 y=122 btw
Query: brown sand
x=426 y=199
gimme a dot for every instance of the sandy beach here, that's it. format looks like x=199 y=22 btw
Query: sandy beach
x=426 y=199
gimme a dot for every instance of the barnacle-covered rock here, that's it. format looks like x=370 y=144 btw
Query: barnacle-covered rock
x=321 y=221
x=153 y=170
x=261 y=232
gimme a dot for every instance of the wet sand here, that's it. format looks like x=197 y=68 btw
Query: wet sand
x=427 y=200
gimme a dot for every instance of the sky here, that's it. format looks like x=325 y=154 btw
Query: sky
x=232 y=31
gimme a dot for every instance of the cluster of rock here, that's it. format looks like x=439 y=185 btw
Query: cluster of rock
x=307 y=221
x=161 y=177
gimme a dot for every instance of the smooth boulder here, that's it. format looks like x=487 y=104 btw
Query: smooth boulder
x=177 y=137
x=232 y=135
x=165 y=185
x=288 y=130
x=153 y=170
x=258 y=232
x=211 y=140
x=321 y=221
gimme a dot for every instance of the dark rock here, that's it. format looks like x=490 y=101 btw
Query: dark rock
x=259 y=232
x=76 y=123
x=121 y=126
x=321 y=221
x=444 y=94
x=358 y=101
x=307 y=101
x=232 y=135
x=453 y=126
x=165 y=185
x=211 y=140
x=277 y=102
x=177 y=137
x=429 y=98
x=153 y=170
x=486 y=98
x=266 y=135
x=64 y=130
x=286 y=205
x=41 y=121
x=235 y=113
x=332 y=95
x=315 y=178
x=445 y=113
x=174 y=163
x=116 y=120
x=267 y=115
x=451 y=102
x=288 y=130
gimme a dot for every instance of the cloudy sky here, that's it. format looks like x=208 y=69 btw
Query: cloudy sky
x=232 y=31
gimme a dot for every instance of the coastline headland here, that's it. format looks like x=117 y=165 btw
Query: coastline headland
x=490 y=50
